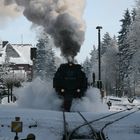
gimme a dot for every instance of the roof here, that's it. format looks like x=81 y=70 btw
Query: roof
x=17 y=53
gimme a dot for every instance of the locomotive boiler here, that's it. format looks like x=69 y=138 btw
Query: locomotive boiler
x=70 y=82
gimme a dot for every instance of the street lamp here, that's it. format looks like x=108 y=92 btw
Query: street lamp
x=99 y=52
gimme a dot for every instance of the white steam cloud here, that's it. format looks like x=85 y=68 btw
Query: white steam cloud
x=41 y=95
x=8 y=10
x=62 y=19
x=90 y=103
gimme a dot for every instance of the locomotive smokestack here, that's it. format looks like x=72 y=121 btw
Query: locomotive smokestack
x=62 y=19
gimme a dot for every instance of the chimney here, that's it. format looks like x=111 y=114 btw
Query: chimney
x=4 y=43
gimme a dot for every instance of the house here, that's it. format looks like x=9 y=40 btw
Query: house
x=17 y=56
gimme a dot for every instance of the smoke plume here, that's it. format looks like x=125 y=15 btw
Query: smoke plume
x=8 y=9
x=62 y=19
x=8 y=2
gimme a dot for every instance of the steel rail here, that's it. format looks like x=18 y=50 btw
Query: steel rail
x=90 y=126
x=106 y=116
x=111 y=122
x=65 y=136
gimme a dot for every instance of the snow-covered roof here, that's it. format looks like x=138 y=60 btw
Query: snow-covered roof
x=17 y=53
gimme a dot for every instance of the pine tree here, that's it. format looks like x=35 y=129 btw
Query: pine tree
x=126 y=21
x=40 y=64
x=105 y=42
x=123 y=51
x=51 y=66
x=133 y=13
x=109 y=61
x=133 y=39
x=45 y=61
x=87 y=68
x=94 y=61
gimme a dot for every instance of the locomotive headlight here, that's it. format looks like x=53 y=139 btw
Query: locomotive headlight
x=78 y=90
x=62 y=90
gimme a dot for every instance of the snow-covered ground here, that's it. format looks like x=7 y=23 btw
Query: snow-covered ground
x=40 y=107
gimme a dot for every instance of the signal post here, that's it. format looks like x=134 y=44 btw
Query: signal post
x=16 y=126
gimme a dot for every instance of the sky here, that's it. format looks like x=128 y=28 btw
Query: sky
x=106 y=13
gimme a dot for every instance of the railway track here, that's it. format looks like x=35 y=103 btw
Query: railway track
x=97 y=134
x=101 y=132
x=90 y=122
x=67 y=132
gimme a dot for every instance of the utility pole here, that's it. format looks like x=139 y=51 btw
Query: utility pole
x=99 y=56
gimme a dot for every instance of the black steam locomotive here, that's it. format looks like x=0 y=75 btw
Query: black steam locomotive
x=70 y=82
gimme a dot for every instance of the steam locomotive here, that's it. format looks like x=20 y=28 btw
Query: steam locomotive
x=70 y=82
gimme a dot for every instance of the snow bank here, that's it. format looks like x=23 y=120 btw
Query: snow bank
x=5 y=101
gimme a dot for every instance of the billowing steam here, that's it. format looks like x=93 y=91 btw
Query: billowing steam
x=8 y=9
x=40 y=95
x=62 y=19
x=8 y=2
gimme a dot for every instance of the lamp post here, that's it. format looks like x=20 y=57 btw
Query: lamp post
x=99 y=52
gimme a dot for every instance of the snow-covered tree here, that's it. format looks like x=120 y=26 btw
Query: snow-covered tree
x=51 y=66
x=94 y=61
x=109 y=63
x=45 y=61
x=9 y=79
x=126 y=21
x=90 y=65
x=133 y=38
x=105 y=42
x=87 y=68
x=135 y=74
x=133 y=13
x=40 y=66
x=124 y=53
